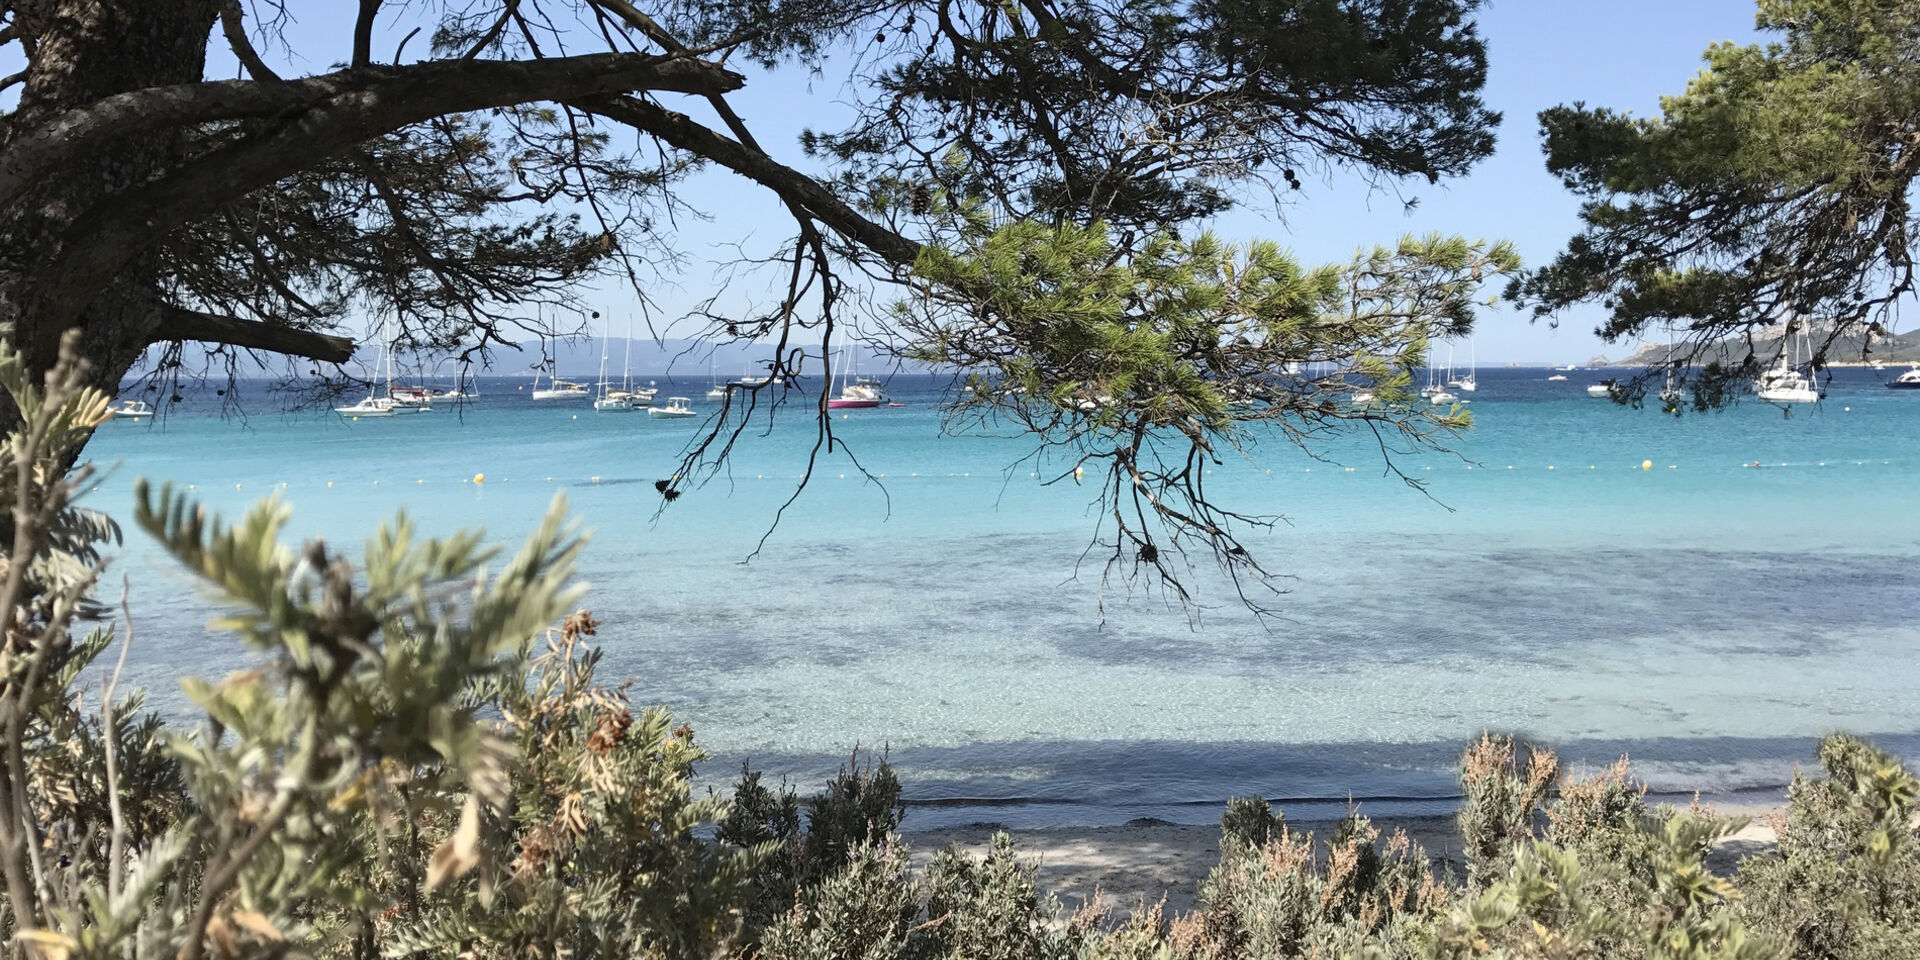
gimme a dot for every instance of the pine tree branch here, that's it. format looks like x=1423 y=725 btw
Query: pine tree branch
x=179 y=323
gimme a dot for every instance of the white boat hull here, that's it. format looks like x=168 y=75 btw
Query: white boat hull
x=1789 y=394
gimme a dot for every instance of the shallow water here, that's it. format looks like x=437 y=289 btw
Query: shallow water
x=1709 y=617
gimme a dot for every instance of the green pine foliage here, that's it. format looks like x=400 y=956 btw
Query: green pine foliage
x=1775 y=188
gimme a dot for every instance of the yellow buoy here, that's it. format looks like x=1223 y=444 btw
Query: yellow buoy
x=479 y=478
x=329 y=483
x=1646 y=464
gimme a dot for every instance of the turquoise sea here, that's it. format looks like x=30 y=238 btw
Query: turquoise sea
x=1709 y=617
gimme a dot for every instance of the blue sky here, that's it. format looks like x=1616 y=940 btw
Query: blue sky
x=1623 y=54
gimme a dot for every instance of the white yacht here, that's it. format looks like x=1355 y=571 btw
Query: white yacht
x=372 y=406
x=375 y=405
x=130 y=410
x=560 y=390
x=411 y=399
x=605 y=401
x=1785 y=383
x=676 y=407
x=1601 y=390
x=1909 y=380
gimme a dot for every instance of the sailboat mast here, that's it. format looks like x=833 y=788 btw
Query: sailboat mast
x=605 y=346
x=386 y=353
x=626 y=366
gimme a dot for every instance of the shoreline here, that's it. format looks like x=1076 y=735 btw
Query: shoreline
x=1146 y=861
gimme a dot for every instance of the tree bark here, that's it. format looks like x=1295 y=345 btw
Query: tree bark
x=86 y=51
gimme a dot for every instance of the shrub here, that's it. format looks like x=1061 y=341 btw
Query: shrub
x=1845 y=881
x=1503 y=784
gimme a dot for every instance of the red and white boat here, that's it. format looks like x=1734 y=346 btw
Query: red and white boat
x=858 y=395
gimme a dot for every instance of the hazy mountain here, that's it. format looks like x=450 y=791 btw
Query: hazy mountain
x=1898 y=349
x=680 y=359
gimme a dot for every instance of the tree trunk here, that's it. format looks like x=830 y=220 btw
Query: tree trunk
x=89 y=49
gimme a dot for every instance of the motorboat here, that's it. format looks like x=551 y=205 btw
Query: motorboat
x=1557 y=376
x=130 y=410
x=1601 y=390
x=1441 y=397
x=676 y=407
x=1363 y=398
x=1906 y=381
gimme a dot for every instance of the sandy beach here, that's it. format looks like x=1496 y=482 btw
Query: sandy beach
x=1145 y=860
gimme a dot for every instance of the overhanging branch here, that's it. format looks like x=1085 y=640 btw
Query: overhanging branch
x=679 y=130
x=414 y=92
x=179 y=323
x=122 y=225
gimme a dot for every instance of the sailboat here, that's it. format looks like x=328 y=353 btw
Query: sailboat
x=1433 y=383
x=557 y=389
x=1671 y=394
x=1468 y=383
x=631 y=397
x=374 y=405
x=606 y=401
x=856 y=394
x=718 y=390
x=1785 y=383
